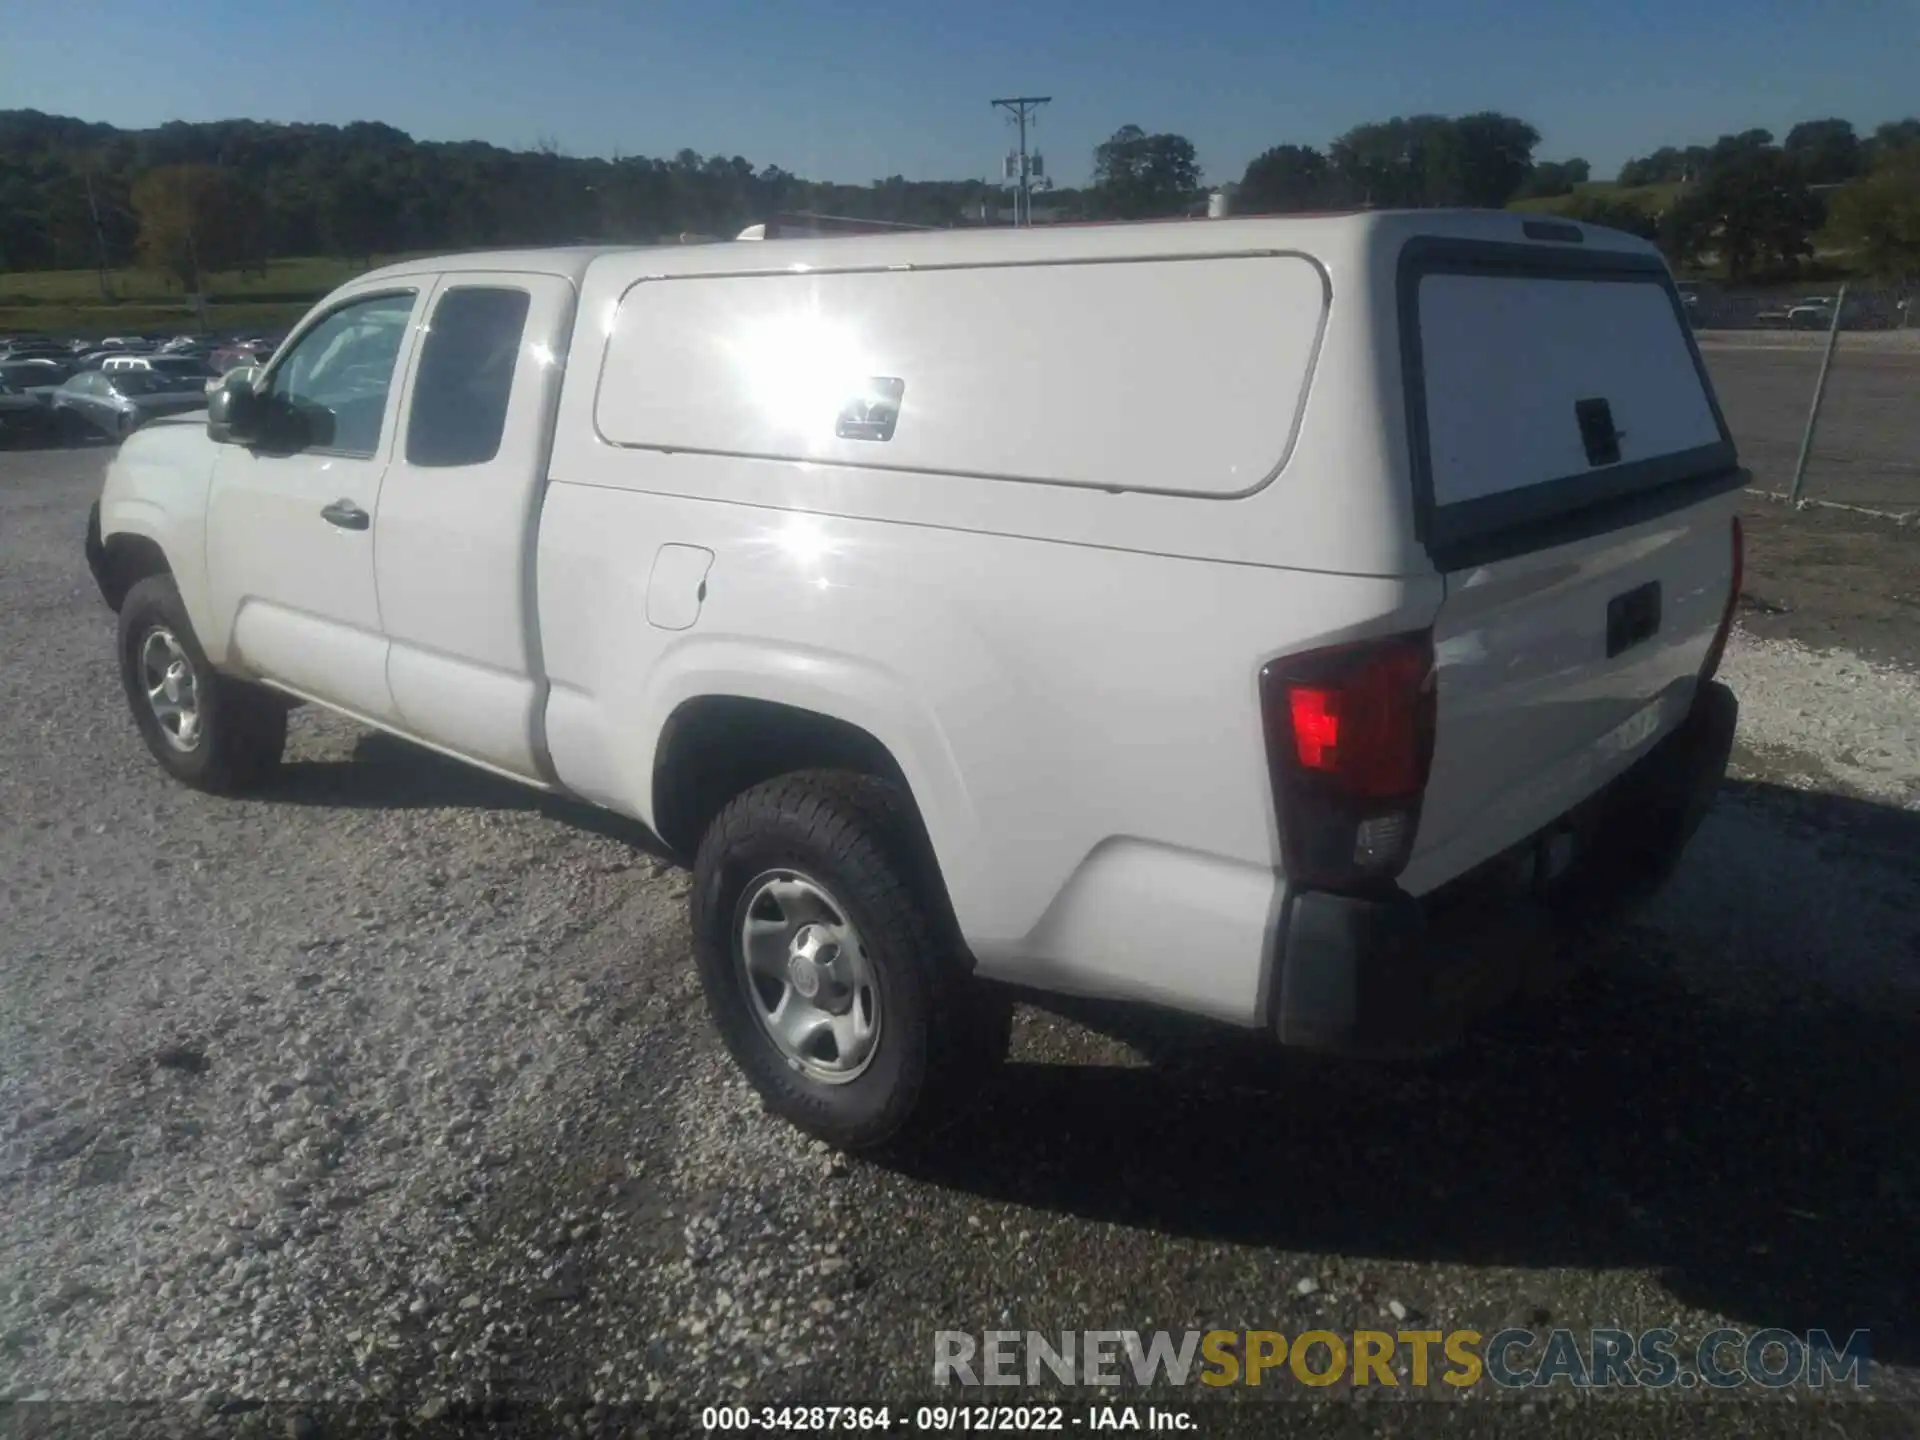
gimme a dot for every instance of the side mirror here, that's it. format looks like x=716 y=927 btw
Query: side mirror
x=236 y=412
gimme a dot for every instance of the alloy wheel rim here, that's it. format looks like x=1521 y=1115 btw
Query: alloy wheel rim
x=807 y=976
x=172 y=688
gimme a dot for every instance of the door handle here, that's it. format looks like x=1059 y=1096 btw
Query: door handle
x=347 y=515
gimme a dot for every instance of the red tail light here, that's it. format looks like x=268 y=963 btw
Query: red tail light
x=1711 y=666
x=1349 y=744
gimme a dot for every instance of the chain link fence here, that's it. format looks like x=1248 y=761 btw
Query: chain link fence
x=1827 y=414
x=1885 y=308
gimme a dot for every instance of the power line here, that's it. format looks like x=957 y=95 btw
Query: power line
x=1023 y=108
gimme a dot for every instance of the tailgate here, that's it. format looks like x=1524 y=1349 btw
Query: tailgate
x=1575 y=484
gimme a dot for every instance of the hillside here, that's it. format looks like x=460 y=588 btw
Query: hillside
x=1652 y=199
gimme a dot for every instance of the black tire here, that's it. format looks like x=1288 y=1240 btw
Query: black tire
x=241 y=730
x=857 y=838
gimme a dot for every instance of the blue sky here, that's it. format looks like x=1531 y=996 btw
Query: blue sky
x=832 y=89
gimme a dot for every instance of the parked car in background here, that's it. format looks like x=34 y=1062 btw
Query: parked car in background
x=32 y=350
x=179 y=365
x=21 y=410
x=34 y=373
x=120 y=402
x=229 y=357
x=1815 y=312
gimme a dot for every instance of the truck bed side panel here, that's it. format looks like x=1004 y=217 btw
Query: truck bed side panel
x=1080 y=727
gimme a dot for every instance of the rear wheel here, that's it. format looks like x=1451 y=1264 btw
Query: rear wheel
x=206 y=729
x=824 y=963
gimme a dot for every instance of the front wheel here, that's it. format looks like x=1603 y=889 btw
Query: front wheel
x=823 y=962
x=208 y=730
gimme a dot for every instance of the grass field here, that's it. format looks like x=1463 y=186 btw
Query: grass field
x=139 y=318
x=1651 y=198
x=148 y=300
x=137 y=299
x=308 y=277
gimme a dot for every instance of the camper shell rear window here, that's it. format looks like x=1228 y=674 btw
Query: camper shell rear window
x=1551 y=392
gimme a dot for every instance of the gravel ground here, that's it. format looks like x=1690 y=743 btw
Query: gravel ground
x=392 y=1089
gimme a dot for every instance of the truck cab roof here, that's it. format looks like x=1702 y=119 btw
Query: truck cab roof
x=1319 y=235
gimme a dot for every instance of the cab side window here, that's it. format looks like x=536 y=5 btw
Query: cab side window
x=464 y=381
x=338 y=375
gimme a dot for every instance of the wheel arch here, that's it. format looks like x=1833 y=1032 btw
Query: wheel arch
x=127 y=558
x=715 y=747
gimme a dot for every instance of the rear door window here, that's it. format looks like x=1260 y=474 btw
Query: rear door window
x=465 y=377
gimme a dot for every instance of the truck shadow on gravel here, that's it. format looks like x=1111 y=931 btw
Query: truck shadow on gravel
x=1762 y=1156
x=388 y=773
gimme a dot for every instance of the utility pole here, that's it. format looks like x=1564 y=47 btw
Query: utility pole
x=99 y=235
x=1023 y=108
x=1819 y=394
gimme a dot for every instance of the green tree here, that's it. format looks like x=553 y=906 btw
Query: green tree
x=359 y=213
x=1483 y=159
x=1480 y=159
x=1878 y=215
x=1137 y=176
x=1663 y=165
x=1389 y=163
x=194 y=220
x=1615 y=215
x=1555 y=177
x=1671 y=164
x=1731 y=148
x=1753 y=210
x=1824 y=152
x=1893 y=135
x=1289 y=177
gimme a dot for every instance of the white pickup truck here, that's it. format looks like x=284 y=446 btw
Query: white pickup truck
x=1306 y=623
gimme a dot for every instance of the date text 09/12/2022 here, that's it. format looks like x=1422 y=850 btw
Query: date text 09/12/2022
x=810 y=1419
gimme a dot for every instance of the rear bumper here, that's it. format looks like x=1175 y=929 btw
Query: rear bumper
x=1395 y=975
